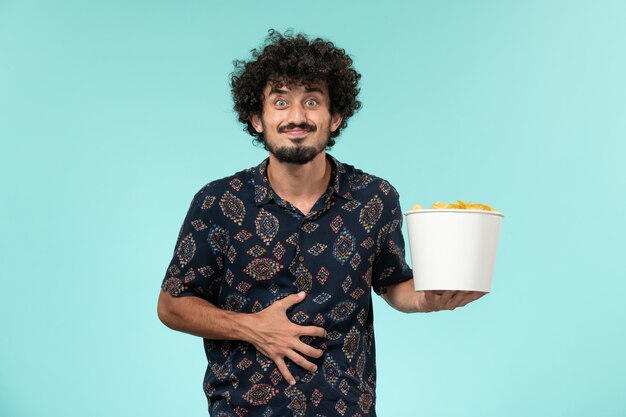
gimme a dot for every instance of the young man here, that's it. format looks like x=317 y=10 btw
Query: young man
x=274 y=266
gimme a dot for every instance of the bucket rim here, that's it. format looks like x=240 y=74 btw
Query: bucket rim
x=492 y=213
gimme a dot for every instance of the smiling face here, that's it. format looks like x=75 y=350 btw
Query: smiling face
x=296 y=122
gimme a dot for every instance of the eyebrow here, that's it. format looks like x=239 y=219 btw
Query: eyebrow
x=311 y=89
x=278 y=91
x=308 y=89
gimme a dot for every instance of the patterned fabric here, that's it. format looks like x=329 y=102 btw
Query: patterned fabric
x=242 y=247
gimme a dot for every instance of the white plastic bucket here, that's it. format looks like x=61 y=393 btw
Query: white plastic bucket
x=453 y=249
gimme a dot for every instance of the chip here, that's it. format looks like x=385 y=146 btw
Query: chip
x=459 y=205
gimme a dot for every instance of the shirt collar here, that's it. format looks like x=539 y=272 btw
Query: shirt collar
x=263 y=192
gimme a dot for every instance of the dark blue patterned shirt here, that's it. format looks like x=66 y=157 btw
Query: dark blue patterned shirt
x=242 y=247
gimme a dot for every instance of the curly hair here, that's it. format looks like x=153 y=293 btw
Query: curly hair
x=295 y=60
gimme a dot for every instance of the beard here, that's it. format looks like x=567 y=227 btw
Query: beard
x=297 y=154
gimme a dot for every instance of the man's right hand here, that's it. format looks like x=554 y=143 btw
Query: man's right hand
x=269 y=330
x=275 y=336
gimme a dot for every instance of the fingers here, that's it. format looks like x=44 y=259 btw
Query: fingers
x=439 y=300
x=449 y=300
x=447 y=297
x=292 y=299
x=301 y=362
x=312 y=331
x=298 y=359
x=462 y=298
x=470 y=297
x=294 y=353
x=309 y=351
x=282 y=367
x=305 y=348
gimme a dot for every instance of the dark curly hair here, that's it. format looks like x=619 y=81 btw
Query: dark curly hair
x=295 y=60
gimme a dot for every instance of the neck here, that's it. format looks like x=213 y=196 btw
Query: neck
x=301 y=185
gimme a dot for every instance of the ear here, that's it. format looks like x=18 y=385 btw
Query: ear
x=256 y=123
x=335 y=121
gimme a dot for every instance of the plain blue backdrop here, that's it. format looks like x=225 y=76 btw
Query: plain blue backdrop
x=114 y=113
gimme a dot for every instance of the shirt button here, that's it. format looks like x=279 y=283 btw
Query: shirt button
x=297 y=378
x=301 y=259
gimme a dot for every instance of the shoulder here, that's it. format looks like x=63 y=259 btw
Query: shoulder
x=239 y=184
x=363 y=186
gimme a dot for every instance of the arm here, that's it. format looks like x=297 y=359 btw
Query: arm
x=403 y=297
x=269 y=330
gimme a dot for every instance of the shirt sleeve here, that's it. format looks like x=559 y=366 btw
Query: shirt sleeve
x=197 y=263
x=390 y=266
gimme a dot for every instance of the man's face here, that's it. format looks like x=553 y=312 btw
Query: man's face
x=296 y=121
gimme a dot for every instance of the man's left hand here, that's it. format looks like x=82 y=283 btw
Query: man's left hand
x=428 y=301
x=403 y=297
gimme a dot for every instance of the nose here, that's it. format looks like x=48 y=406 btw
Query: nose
x=297 y=114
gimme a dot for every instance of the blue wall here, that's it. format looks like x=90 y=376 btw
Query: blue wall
x=114 y=113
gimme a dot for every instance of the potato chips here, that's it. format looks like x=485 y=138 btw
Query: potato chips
x=461 y=205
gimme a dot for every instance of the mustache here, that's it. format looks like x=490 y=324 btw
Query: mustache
x=303 y=126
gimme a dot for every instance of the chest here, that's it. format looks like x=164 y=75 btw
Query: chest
x=275 y=252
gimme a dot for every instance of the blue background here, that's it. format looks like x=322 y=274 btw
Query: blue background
x=114 y=113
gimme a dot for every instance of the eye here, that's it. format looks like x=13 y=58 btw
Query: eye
x=280 y=103
x=311 y=102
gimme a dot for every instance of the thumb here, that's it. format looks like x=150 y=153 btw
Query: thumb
x=293 y=299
